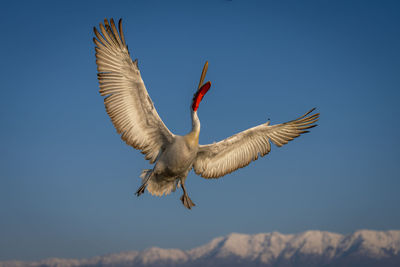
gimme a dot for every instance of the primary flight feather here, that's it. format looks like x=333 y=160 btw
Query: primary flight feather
x=134 y=116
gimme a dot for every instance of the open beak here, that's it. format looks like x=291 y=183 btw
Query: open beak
x=202 y=88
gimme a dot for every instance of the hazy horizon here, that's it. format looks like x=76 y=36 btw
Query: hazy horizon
x=310 y=248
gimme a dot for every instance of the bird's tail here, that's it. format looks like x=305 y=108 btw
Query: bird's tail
x=157 y=185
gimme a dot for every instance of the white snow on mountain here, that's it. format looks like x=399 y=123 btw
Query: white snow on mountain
x=311 y=248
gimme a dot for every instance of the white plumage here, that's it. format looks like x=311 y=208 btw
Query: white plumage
x=133 y=114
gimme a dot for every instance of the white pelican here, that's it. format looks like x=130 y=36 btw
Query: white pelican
x=133 y=114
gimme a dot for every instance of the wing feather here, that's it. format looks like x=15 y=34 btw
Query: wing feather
x=126 y=99
x=218 y=159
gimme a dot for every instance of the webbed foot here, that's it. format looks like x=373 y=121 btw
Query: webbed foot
x=141 y=189
x=187 y=202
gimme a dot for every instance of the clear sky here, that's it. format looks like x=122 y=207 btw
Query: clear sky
x=67 y=181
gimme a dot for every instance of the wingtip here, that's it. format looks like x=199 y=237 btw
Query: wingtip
x=121 y=33
x=311 y=110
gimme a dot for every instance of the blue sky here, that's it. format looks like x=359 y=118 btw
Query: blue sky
x=67 y=180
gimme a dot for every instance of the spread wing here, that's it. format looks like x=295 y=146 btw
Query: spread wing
x=127 y=102
x=218 y=159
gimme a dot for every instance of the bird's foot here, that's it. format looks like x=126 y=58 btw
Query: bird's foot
x=187 y=202
x=141 y=190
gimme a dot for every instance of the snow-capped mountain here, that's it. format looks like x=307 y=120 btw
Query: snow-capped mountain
x=311 y=248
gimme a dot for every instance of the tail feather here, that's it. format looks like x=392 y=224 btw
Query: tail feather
x=157 y=185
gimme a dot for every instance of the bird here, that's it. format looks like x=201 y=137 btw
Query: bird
x=135 y=118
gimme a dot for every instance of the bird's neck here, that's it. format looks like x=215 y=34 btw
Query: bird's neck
x=195 y=122
x=193 y=136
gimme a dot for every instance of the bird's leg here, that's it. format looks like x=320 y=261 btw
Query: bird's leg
x=187 y=202
x=141 y=189
x=144 y=184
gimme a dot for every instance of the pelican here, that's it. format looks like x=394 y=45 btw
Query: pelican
x=135 y=118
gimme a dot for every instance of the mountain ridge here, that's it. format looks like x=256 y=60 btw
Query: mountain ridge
x=309 y=248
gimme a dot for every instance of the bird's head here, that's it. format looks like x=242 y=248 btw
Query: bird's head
x=202 y=89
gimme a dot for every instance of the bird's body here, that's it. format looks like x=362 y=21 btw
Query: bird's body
x=173 y=165
x=136 y=119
